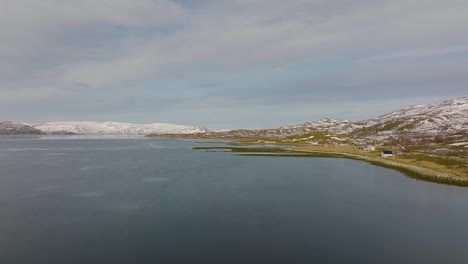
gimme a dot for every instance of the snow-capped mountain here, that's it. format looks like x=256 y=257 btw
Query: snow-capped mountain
x=115 y=128
x=95 y=128
x=448 y=117
x=13 y=128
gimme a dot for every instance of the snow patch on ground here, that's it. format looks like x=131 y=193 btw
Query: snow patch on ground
x=459 y=144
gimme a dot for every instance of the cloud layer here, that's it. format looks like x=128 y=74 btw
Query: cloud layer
x=190 y=56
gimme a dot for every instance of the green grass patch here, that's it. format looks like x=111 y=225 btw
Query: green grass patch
x=448 y=162
x=419 y=176
x=247 y=149
x=297 y=155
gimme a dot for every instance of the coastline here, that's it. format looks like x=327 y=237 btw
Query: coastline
x=410 y=170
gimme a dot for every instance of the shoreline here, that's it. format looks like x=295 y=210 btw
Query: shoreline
x=409 y=170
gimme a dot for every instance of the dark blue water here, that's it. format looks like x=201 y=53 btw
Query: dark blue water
x=147 y=200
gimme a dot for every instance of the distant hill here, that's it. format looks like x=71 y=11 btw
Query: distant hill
x=95 y=128
x=12 y=128
x=448 y=119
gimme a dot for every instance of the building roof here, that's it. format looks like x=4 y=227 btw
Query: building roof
x=387 y=152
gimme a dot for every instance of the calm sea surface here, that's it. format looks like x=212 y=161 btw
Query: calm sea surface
x=147 y=200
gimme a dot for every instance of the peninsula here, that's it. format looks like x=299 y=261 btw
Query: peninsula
x=427 y=142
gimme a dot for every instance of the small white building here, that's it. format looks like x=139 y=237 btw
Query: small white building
x=387 y=153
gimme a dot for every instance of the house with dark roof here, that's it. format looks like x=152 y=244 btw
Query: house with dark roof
x=387 y=153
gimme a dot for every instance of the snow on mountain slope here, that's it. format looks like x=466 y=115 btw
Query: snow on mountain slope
x=444 y=118
x=456 y=107
x=450 y=116
x=329 y=124
x=115 y=128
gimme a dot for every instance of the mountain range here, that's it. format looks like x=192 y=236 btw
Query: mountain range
x=419 y=122
x=95 y=128
x=449 y=118
x=446 y=118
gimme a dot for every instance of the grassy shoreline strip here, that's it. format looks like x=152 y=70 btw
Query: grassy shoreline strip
x=411 y=171
x=392 y=163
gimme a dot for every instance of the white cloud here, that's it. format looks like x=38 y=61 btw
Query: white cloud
x=278 y=33
x=162 y=38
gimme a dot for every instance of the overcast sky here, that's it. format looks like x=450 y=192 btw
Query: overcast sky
x=228 y=63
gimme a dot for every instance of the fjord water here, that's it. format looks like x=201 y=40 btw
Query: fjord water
x=149 y=200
